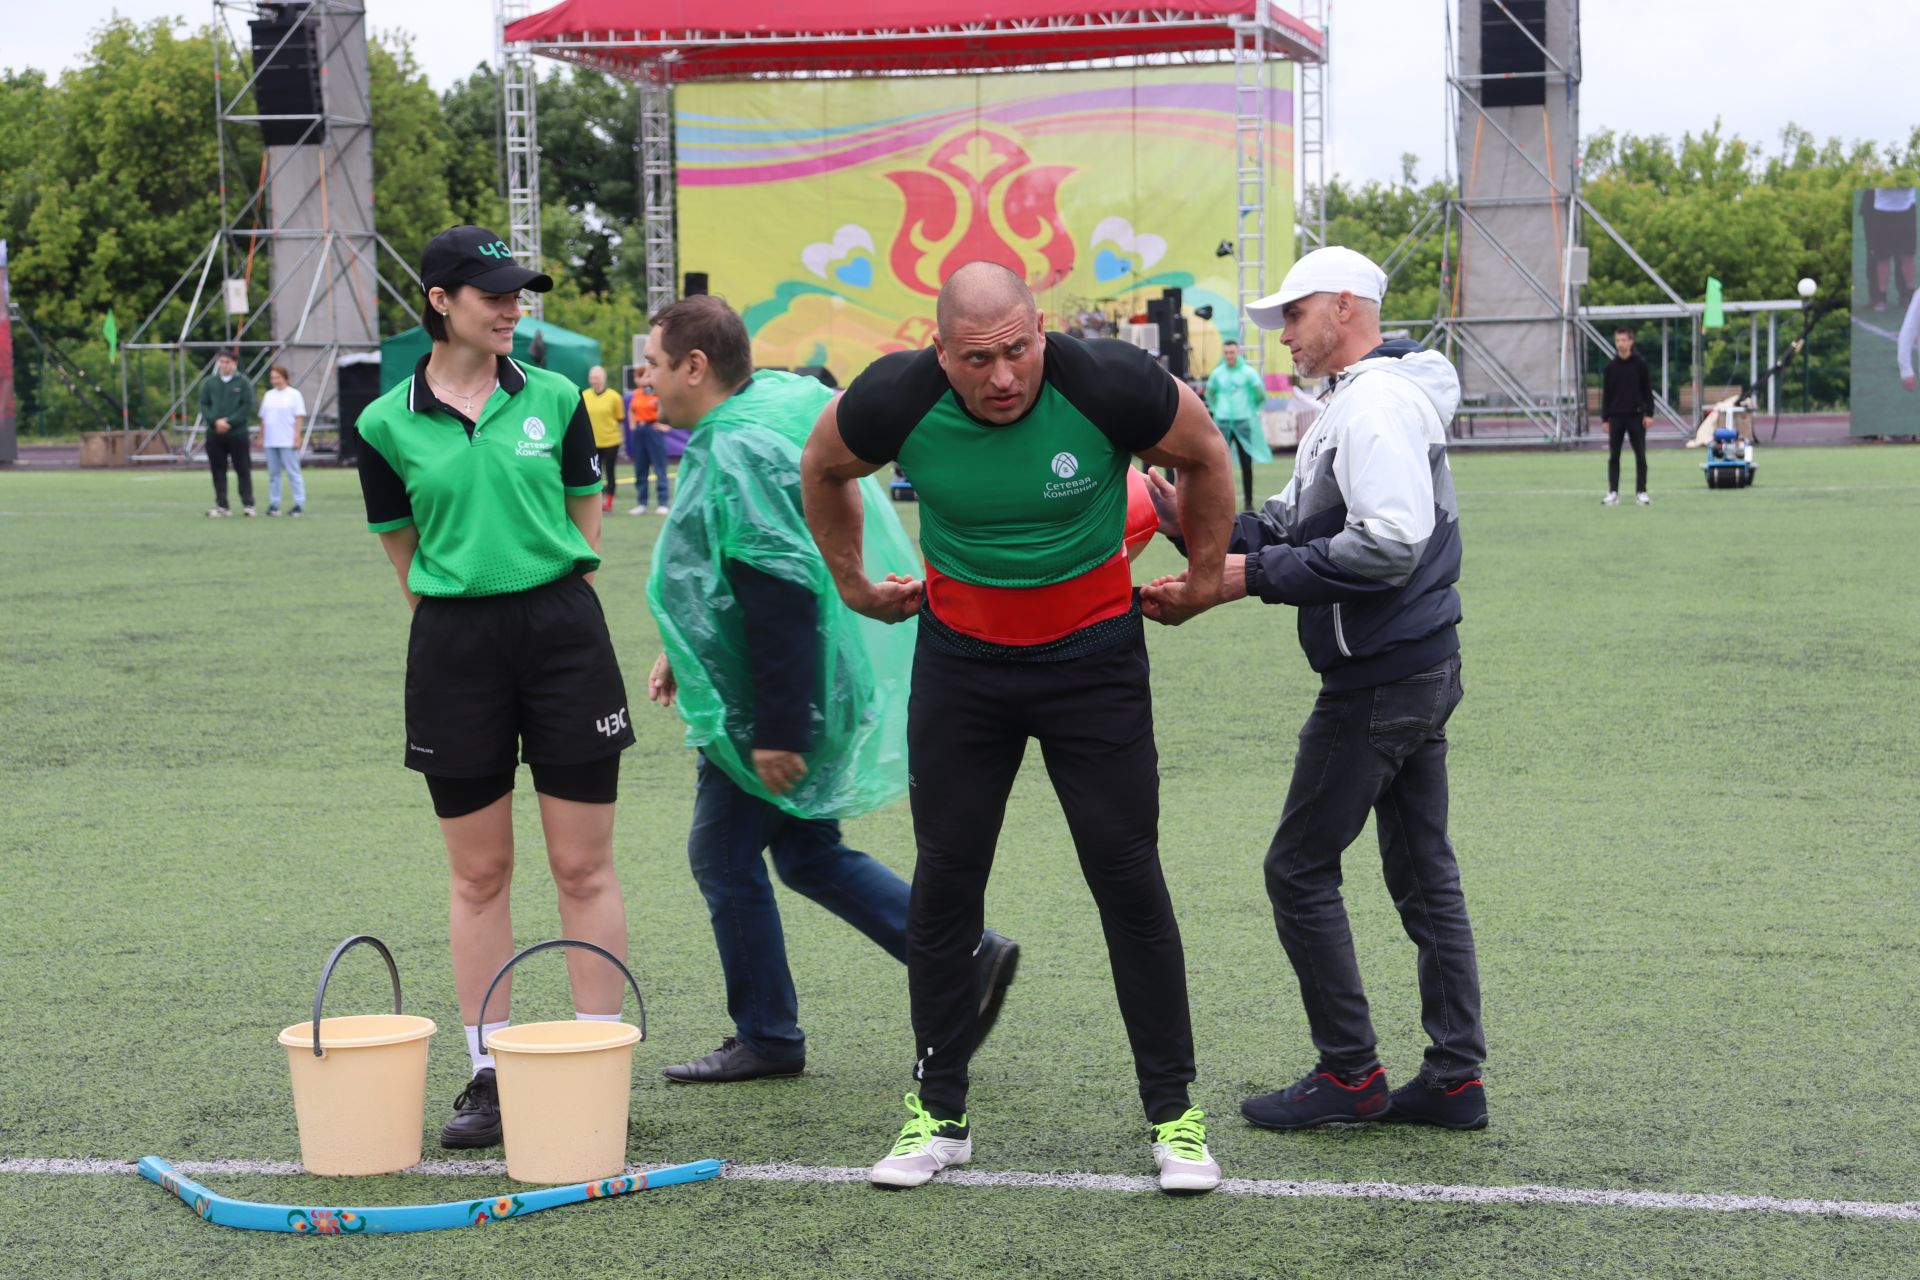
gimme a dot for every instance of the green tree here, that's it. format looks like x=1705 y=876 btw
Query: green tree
x=412 y=155
x=116 y=192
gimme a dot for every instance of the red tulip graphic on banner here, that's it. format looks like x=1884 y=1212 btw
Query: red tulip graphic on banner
x=981 y=197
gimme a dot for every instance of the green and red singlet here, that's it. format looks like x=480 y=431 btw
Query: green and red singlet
x=1022 y=524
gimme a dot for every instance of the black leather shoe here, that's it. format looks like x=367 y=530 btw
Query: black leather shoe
x=732 y=1061
x=1457 y=1105
x=476 y=1114
x=993 y=964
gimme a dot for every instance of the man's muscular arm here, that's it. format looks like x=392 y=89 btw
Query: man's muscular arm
x=1197 y=451
x=830 y=475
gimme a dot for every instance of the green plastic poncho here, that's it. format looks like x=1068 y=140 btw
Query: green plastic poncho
x=739 y=499
x=1235 y=396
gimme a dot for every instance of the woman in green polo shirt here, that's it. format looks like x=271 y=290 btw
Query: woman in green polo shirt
x=481 y=478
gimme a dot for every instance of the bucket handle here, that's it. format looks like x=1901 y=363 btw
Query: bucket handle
x=611 y=958
x=320 y=995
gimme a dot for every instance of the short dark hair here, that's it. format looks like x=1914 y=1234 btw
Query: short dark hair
x=228 y=353
x=705 y=323
x=282 y=371
x=1230 y=342
x=1620 y=329
x=432 y=321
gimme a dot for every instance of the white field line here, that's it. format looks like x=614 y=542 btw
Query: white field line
x=1284 y=1189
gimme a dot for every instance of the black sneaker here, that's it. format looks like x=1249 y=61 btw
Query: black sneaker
x=1450 y=1105
x=1321 y=1098
x=732 y=1061
x=272 y=511
x=476 y=1114
x=296 y=513
x=994 y=961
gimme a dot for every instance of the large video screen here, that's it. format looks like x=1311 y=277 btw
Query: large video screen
x=1885 y=396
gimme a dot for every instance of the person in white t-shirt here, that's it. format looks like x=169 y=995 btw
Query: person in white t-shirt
x=283 y=421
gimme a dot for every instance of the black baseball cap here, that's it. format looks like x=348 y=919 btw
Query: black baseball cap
x=476 y=256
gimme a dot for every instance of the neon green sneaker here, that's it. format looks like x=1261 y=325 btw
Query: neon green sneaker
x=926 y=1146
x=1180 y=1151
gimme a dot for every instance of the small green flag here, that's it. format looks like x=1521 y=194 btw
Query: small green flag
x=111 y=332
x=1714 y=318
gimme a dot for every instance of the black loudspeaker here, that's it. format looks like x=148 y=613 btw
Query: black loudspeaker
x=286 y=45
x=359 y=387
x=1164 y=313
x=1505 y=50
x=696 y=284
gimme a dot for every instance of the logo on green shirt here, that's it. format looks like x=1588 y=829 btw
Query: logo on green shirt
x=1065 y=464
x=534 y=428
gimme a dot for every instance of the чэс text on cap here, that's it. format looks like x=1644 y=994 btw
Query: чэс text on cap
x=476 y=256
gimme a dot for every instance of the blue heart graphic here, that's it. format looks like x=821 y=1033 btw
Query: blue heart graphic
x=1108 y=265
x=858 y=273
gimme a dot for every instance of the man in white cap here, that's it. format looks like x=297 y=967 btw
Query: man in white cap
x=1365 y=542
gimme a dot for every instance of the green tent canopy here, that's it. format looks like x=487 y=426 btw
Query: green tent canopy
x=568 y=353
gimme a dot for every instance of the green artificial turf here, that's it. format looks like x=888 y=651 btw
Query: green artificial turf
x=1682 y=794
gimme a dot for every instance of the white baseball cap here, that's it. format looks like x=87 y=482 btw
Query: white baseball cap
x=1329 y=270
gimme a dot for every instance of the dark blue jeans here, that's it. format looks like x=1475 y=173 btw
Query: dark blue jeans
x=648 y=449
x=731 y=829
x=1382 y=750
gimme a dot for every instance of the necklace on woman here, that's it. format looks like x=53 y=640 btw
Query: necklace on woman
x=485 y=388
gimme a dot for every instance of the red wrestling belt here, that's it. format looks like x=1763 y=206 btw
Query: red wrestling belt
x=1032 y=615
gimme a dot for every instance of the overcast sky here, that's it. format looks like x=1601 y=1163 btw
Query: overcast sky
x=1652 y=66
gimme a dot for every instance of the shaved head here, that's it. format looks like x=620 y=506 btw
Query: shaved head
x=989 y=339
x=980 y=292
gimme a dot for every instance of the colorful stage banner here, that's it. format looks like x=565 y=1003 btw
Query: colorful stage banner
x=828 y=211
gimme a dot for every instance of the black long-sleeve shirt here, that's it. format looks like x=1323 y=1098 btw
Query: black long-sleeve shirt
x=1626 y=388
x=783 y=651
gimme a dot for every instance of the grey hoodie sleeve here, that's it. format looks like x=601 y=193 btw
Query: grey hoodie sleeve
x=1385 y=480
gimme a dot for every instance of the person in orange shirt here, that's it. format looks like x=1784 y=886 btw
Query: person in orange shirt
x=647 y=448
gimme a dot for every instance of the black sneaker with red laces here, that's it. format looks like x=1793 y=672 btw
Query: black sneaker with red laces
x=1321 y=1097
x=1450 y=1104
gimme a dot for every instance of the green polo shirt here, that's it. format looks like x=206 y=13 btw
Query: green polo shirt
x=489 y=496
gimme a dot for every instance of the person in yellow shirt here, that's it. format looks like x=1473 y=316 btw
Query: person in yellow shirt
x=607 y=410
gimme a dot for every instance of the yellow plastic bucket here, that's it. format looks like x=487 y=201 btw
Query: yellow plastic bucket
x=565 y=1087
x=359 y=1082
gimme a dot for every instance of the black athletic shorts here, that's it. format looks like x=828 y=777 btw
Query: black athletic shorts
x=530 y=668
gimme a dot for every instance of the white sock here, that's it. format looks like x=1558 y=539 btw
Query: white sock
x=481 y=1061
x=595 y=1017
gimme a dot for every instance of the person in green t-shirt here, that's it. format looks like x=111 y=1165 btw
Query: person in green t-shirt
x=226 y=409
x=1235 y=395
x=481 y=477
x=1018 y=443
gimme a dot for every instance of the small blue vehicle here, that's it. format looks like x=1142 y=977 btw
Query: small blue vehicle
x=1729 y=463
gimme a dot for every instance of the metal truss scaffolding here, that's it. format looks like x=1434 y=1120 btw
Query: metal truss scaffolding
x=657 y=184
x=312 y=211
x=659 y=58
x=1310 y=117
x=519 y=122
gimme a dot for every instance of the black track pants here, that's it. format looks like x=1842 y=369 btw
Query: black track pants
x=1620 y=430
x=967 y=730
x=230 y=447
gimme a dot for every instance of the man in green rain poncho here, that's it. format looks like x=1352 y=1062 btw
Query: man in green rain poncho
x=1235 y=395
x=796 y=704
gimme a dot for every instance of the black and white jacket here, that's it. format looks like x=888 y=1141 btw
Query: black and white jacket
x=1365 y=538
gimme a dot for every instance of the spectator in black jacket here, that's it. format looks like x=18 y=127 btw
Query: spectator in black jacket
x=1626 y=402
